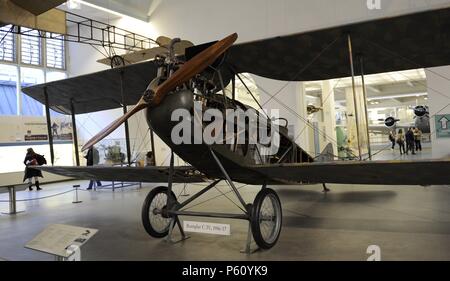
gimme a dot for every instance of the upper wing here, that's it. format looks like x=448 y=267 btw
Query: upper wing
x=391 y=44
x=96 y=91
x=422 y=172
x=183 y=174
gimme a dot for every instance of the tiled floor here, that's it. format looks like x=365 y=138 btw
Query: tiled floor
x=407 y=222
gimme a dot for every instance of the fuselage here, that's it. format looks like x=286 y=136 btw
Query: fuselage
x=237 y=158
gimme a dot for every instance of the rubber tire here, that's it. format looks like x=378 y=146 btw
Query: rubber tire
x=254 y=218
x=145 y=212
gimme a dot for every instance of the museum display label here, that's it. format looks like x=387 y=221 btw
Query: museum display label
x=207 y=227
x=56 y=239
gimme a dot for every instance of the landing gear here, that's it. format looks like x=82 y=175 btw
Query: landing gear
x=117 y=61
x=161 y=210
x=154 y=212
x=266 y=218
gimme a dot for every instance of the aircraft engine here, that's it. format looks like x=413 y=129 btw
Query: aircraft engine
x=420 y=111
x=390 y=122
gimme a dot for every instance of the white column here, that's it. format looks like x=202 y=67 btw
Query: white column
x=352 y=132
x=290 y=100
x=329 y=114
x=352 y=139
x=302 y=130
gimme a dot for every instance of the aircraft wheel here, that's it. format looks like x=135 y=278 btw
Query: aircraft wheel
x=154 y=216
x=266 y=218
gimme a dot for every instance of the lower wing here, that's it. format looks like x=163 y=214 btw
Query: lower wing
x=420 y=172
x=184 y=174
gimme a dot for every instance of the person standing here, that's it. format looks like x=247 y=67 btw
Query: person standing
x=410 y=141
x=392 y=139
x=149 y=159
x=401 y=141
x=418 y=139
x=92 y=158
x=55 y=129
x=32 y=159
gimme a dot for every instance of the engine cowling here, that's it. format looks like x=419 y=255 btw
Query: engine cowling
x=390 y=122
x=420 y=111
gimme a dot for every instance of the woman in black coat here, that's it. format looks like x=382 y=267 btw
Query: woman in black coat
x=31 y=159
x=92 y=158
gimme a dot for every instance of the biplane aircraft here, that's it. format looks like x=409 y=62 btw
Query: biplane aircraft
x=165 y=84
x=165 y=44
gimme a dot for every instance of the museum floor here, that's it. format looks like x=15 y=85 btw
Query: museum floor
x=406 y=222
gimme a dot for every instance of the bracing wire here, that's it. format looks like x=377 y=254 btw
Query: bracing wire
x=213 y=198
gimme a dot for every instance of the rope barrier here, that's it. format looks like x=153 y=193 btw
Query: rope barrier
x=46 y=197
x=39 y=198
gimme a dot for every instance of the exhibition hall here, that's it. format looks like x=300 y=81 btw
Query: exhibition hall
x=235 y=131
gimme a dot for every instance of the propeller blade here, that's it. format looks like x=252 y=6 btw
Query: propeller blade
x=154 y=97
x=114 y=125
x=192 y=67
x=163 y=40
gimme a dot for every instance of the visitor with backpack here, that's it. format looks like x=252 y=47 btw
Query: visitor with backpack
x=33 y=159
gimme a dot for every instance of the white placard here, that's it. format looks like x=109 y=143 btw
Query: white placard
x=207 y=227
x=56 y=239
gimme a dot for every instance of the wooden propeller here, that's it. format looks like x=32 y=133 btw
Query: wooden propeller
x=154 y=97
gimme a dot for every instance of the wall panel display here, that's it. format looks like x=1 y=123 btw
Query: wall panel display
x=28 y=129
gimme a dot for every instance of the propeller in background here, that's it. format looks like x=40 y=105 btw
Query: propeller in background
x=153 y=97
x=420 y=111
x=389 y=122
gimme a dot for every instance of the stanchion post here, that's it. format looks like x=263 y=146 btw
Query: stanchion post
x=12 y=200
x=76 y=201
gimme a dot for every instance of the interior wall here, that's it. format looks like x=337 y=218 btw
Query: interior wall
x=281 y=96
x=438 y=81
x=207 y=20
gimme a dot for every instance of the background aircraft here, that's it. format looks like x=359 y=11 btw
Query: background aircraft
x=421 y=121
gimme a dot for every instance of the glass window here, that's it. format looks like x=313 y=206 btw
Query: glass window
x=8 y=89
x=53 y=76
x=55 y=51
x=11 y=156
x=30 y=47
x=7 y=44
x=29 y=77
